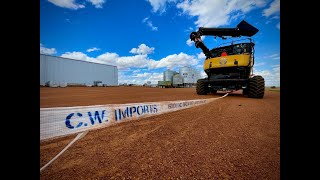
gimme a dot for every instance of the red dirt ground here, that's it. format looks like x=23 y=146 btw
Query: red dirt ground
x=232 y=138
x=85 y=96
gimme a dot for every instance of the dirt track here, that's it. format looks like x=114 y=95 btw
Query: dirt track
x=232 y=138
x=85 y=96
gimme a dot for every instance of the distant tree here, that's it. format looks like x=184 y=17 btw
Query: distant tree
x=273 y=87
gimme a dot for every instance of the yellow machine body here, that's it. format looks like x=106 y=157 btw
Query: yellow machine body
x=229 y=61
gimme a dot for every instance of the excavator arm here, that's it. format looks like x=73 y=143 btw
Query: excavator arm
x=242 y=29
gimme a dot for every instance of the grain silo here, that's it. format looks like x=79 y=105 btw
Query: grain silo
x=58 y=70
x=190 y=76
x=177 y=80
x=168 y=75
x=196 y=76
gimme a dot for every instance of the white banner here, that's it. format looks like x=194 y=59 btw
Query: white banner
x=61 y=121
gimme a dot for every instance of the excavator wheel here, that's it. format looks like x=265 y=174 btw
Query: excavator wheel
x=202 y=87
x=256 y=87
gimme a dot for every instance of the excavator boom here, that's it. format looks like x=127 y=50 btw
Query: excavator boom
x=242 y=29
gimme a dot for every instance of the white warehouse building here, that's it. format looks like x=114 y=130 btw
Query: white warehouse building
x=75 y=72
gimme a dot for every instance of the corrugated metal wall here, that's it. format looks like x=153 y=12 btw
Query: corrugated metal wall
x=190 y=75
x=58 y=69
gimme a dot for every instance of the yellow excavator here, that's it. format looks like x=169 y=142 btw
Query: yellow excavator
x=229 y=67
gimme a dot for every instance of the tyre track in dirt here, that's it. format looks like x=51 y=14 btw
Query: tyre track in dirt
x=232 y=138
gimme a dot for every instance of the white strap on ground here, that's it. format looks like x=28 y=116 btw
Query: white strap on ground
x=80 y=135
x=225 y=95
x=62 y=121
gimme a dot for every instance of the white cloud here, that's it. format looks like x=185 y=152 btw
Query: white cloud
x=276 y=68
x=142 y=49
x=236 y=16
x=109 y=58
x=136 y=61
x=77 y=56
x=201 y=56
x=189 y=29
x=154 y=78
x=149 y=23
x=48 y=51
x=97 y=3
x=272 y=56
x=70 y=4
x=275 y=56
x=136 y=71
x=214 y=13
x=259 y=64
x=124 y=62
x=140 y=60
x=278 y=26
x=124 y=78
x=153 y=28
x=189 y=42
x=93 y=49
x=145 y=19
x=174 y=60
x=144 y=75
x=159 y=5
x=199 y=67
x=274 y=8
x=203 y=74
x=141 y=78
x=271 y=77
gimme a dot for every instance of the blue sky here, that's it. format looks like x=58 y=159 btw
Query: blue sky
x=143 y=38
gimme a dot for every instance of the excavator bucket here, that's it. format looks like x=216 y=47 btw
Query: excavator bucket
x=246 y=29
x=242 y=29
